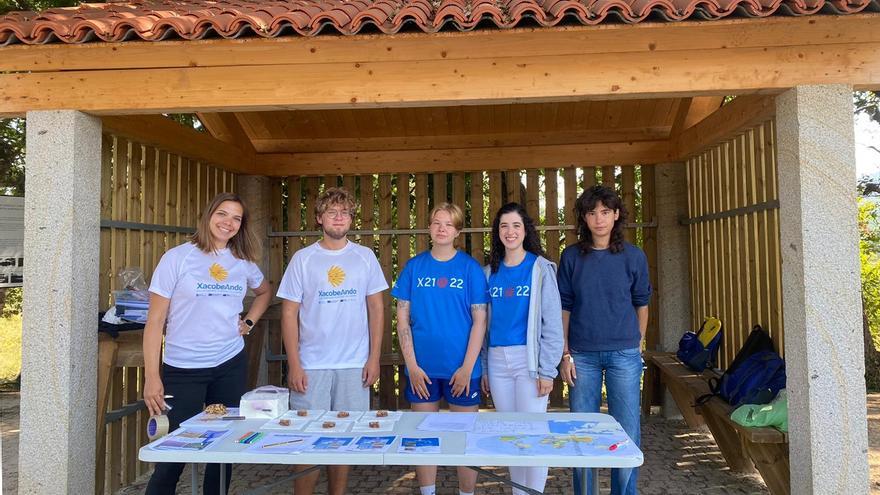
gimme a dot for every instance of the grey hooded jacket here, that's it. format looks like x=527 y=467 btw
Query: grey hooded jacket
x=544 y=333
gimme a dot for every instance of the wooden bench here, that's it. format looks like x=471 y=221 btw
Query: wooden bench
x=744 y=448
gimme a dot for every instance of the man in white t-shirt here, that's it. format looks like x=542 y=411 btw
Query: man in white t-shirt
x=332 y=320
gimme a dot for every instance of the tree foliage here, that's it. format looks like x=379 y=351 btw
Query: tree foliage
x=868 y=103
x=12 y=157
x=34 y=5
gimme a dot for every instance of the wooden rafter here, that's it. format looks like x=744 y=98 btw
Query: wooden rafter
x=226 y=128
x=738 y=115
x=175 y=138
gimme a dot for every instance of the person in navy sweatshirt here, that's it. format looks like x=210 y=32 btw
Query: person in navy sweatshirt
x=604 y=288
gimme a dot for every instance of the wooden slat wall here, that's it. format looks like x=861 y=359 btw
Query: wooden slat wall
x=141 y=184
x=403 y=202
x=735 y=262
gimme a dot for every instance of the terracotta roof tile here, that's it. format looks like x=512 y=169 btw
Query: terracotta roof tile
x=155 y=20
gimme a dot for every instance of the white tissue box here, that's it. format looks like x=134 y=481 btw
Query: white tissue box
x=265 y=402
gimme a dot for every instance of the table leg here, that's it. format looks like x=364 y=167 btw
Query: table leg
x=493 y=476
x=194 y=474
x=595 y=481
x=222 y=478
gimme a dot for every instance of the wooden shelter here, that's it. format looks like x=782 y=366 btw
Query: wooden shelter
x=746 y=210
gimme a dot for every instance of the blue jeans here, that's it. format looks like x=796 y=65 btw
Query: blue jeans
x=623 y=373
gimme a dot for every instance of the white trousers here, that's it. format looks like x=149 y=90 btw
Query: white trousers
x=513 y=390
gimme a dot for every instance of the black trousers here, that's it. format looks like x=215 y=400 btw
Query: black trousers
x=192 y=389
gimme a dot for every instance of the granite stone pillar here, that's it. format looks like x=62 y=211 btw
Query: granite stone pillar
x=60 y=337
x=673 y=270
x=822 y=306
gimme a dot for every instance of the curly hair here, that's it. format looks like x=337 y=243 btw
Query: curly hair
x=587 y=202
x=531 y=243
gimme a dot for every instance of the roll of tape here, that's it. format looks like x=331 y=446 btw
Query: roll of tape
x=157 y=427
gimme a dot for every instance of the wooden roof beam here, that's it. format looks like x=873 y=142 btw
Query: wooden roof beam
x=548 y=137
x=735 y=58
x=175 y=138
x=460 y=160
x=226 y=127
x=740 y=114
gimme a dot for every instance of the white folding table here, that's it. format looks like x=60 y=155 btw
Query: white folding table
x=453 y=444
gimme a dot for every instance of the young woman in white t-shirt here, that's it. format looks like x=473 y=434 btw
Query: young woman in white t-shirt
x=198 y=289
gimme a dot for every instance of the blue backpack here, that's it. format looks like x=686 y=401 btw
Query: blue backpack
x=699 y=350
x=756 y=380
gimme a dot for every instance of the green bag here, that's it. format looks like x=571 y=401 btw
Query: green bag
x=774 y=414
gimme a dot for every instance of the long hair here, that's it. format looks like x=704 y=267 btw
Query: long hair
x=586 y=203
x=531 y=243
x=243 y=245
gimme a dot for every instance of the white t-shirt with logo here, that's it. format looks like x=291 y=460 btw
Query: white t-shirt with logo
x=332 y=288
x=206 y=292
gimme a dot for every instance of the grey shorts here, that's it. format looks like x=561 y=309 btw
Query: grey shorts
x=333 y=390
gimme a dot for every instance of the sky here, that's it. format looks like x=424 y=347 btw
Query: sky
x=867 y=134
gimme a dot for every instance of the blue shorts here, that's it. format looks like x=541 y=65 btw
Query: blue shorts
x=440 y=388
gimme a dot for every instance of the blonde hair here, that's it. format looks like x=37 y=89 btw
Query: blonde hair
x=335 y=196
x=454 y=212
x=243 y=245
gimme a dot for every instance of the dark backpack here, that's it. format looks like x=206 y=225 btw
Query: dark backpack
x=698 y=351
x=755 y=376
x=758 y=340
x=756 y=381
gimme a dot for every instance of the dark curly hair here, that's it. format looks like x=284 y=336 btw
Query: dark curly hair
x=531 y=243
x=586 y=203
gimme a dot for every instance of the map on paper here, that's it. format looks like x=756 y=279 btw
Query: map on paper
x=565 y=438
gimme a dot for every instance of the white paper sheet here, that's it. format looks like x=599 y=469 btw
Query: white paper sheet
x=414 y=445
x=448 y=422
x=318 y=427
x=372 y=443
x=364 y=425
x=498 y=427
x=334 y=416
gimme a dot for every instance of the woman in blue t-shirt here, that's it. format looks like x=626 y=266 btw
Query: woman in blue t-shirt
x=525 y=325
x=441 y=322
x=605 y=289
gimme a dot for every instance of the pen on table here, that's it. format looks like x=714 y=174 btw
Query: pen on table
x=282 y=443
x=616 y=445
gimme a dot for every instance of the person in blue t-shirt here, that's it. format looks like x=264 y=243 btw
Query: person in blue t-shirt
x=525 y=325
x=441 y=322
x=605 y=289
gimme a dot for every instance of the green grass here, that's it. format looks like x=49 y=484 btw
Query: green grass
x=10 y=348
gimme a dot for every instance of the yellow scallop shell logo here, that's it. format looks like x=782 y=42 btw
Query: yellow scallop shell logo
x=217 y=272
x=335 y=275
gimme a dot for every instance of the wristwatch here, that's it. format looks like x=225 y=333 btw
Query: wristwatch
x=250 y=323
x=567 y=356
